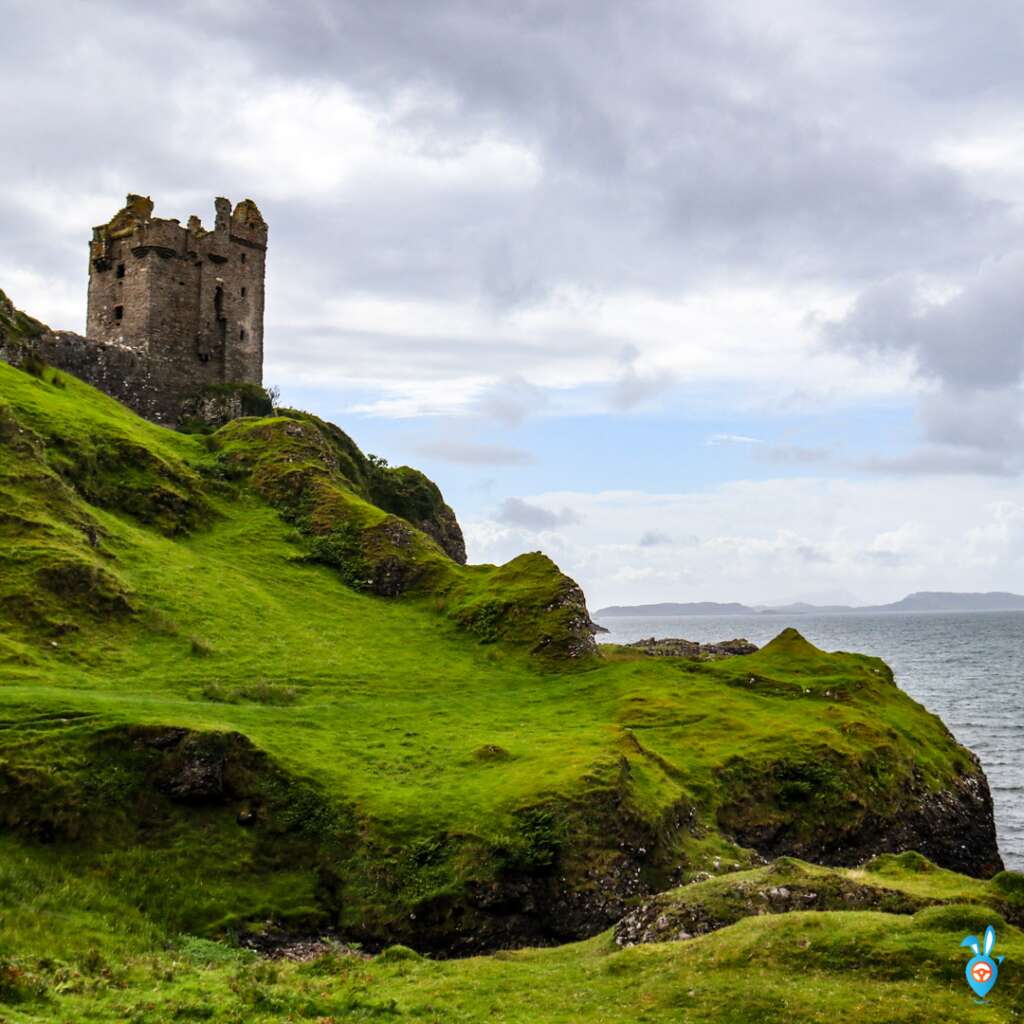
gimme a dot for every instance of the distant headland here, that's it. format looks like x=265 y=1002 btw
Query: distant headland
x=922 y=601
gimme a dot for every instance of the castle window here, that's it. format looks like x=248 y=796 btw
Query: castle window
x=119 y=312
x=241 y=334
x=243 y=257
x=243 y=291
x=120 y=270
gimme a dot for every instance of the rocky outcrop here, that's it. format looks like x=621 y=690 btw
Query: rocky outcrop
x=669 y=647
x=218 y=404
x=954 y=826
x=408 y=493
x=781 y=888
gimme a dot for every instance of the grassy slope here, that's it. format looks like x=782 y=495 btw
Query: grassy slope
x=404 y=750
x=873 y=968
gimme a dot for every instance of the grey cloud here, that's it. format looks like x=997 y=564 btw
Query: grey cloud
x=516 y=512
x=703 y=146
x=988 y=420
x=653 y=538
x=972 y=340
x=634 y=389
x=971 y=346
x=811 y=555
x=511 y=400
x=469 y=453
x=884 y=559
x=938 y=461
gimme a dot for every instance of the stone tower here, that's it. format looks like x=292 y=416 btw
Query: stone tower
x=187 y=301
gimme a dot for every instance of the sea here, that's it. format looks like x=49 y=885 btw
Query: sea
x=966 y=667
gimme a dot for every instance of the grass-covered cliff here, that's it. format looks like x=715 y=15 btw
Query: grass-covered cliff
x=245 y=687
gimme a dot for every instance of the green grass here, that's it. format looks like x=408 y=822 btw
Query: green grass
x=448 y=766
x=867 y=967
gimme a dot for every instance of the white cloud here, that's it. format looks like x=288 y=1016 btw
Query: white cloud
x=717 y=439
x=321 y=140
x=880 y=538
x=471 y=453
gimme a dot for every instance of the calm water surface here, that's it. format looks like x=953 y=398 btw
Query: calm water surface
x=968 y=668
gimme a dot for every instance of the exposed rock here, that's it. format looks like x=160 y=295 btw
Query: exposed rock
x=705 y=907
x=277 y=943
x=491 y=752
x=221 y=403
x=194 y=772
x=445 y=529
x=669 y=647
x=576 y=639
x=729 y=648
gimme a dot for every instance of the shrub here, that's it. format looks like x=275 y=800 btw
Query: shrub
x=18 y=984
x=199 y=647
x=34 y=365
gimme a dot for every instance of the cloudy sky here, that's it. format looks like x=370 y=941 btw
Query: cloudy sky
x=708 y=301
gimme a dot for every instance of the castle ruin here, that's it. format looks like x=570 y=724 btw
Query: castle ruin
x=186 y=300
x=175 y=316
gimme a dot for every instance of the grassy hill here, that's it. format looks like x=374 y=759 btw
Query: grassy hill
x=244 y=691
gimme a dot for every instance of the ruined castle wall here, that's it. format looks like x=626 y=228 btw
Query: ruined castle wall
x=121 y=372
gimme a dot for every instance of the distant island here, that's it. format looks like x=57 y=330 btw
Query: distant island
x=923 y=601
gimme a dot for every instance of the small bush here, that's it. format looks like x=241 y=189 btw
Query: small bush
x=253 y=984
x=199 y=647
x=34 y=365
x=535 y=845
x=18 y=984
x=342 y=549
x=262 y=692
x=397 y=954
x=911 y=861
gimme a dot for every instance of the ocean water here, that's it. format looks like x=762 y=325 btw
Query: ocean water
x=968 y=668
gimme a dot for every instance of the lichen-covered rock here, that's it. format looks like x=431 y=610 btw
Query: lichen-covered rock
x=668 y=647
x=782 y=887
